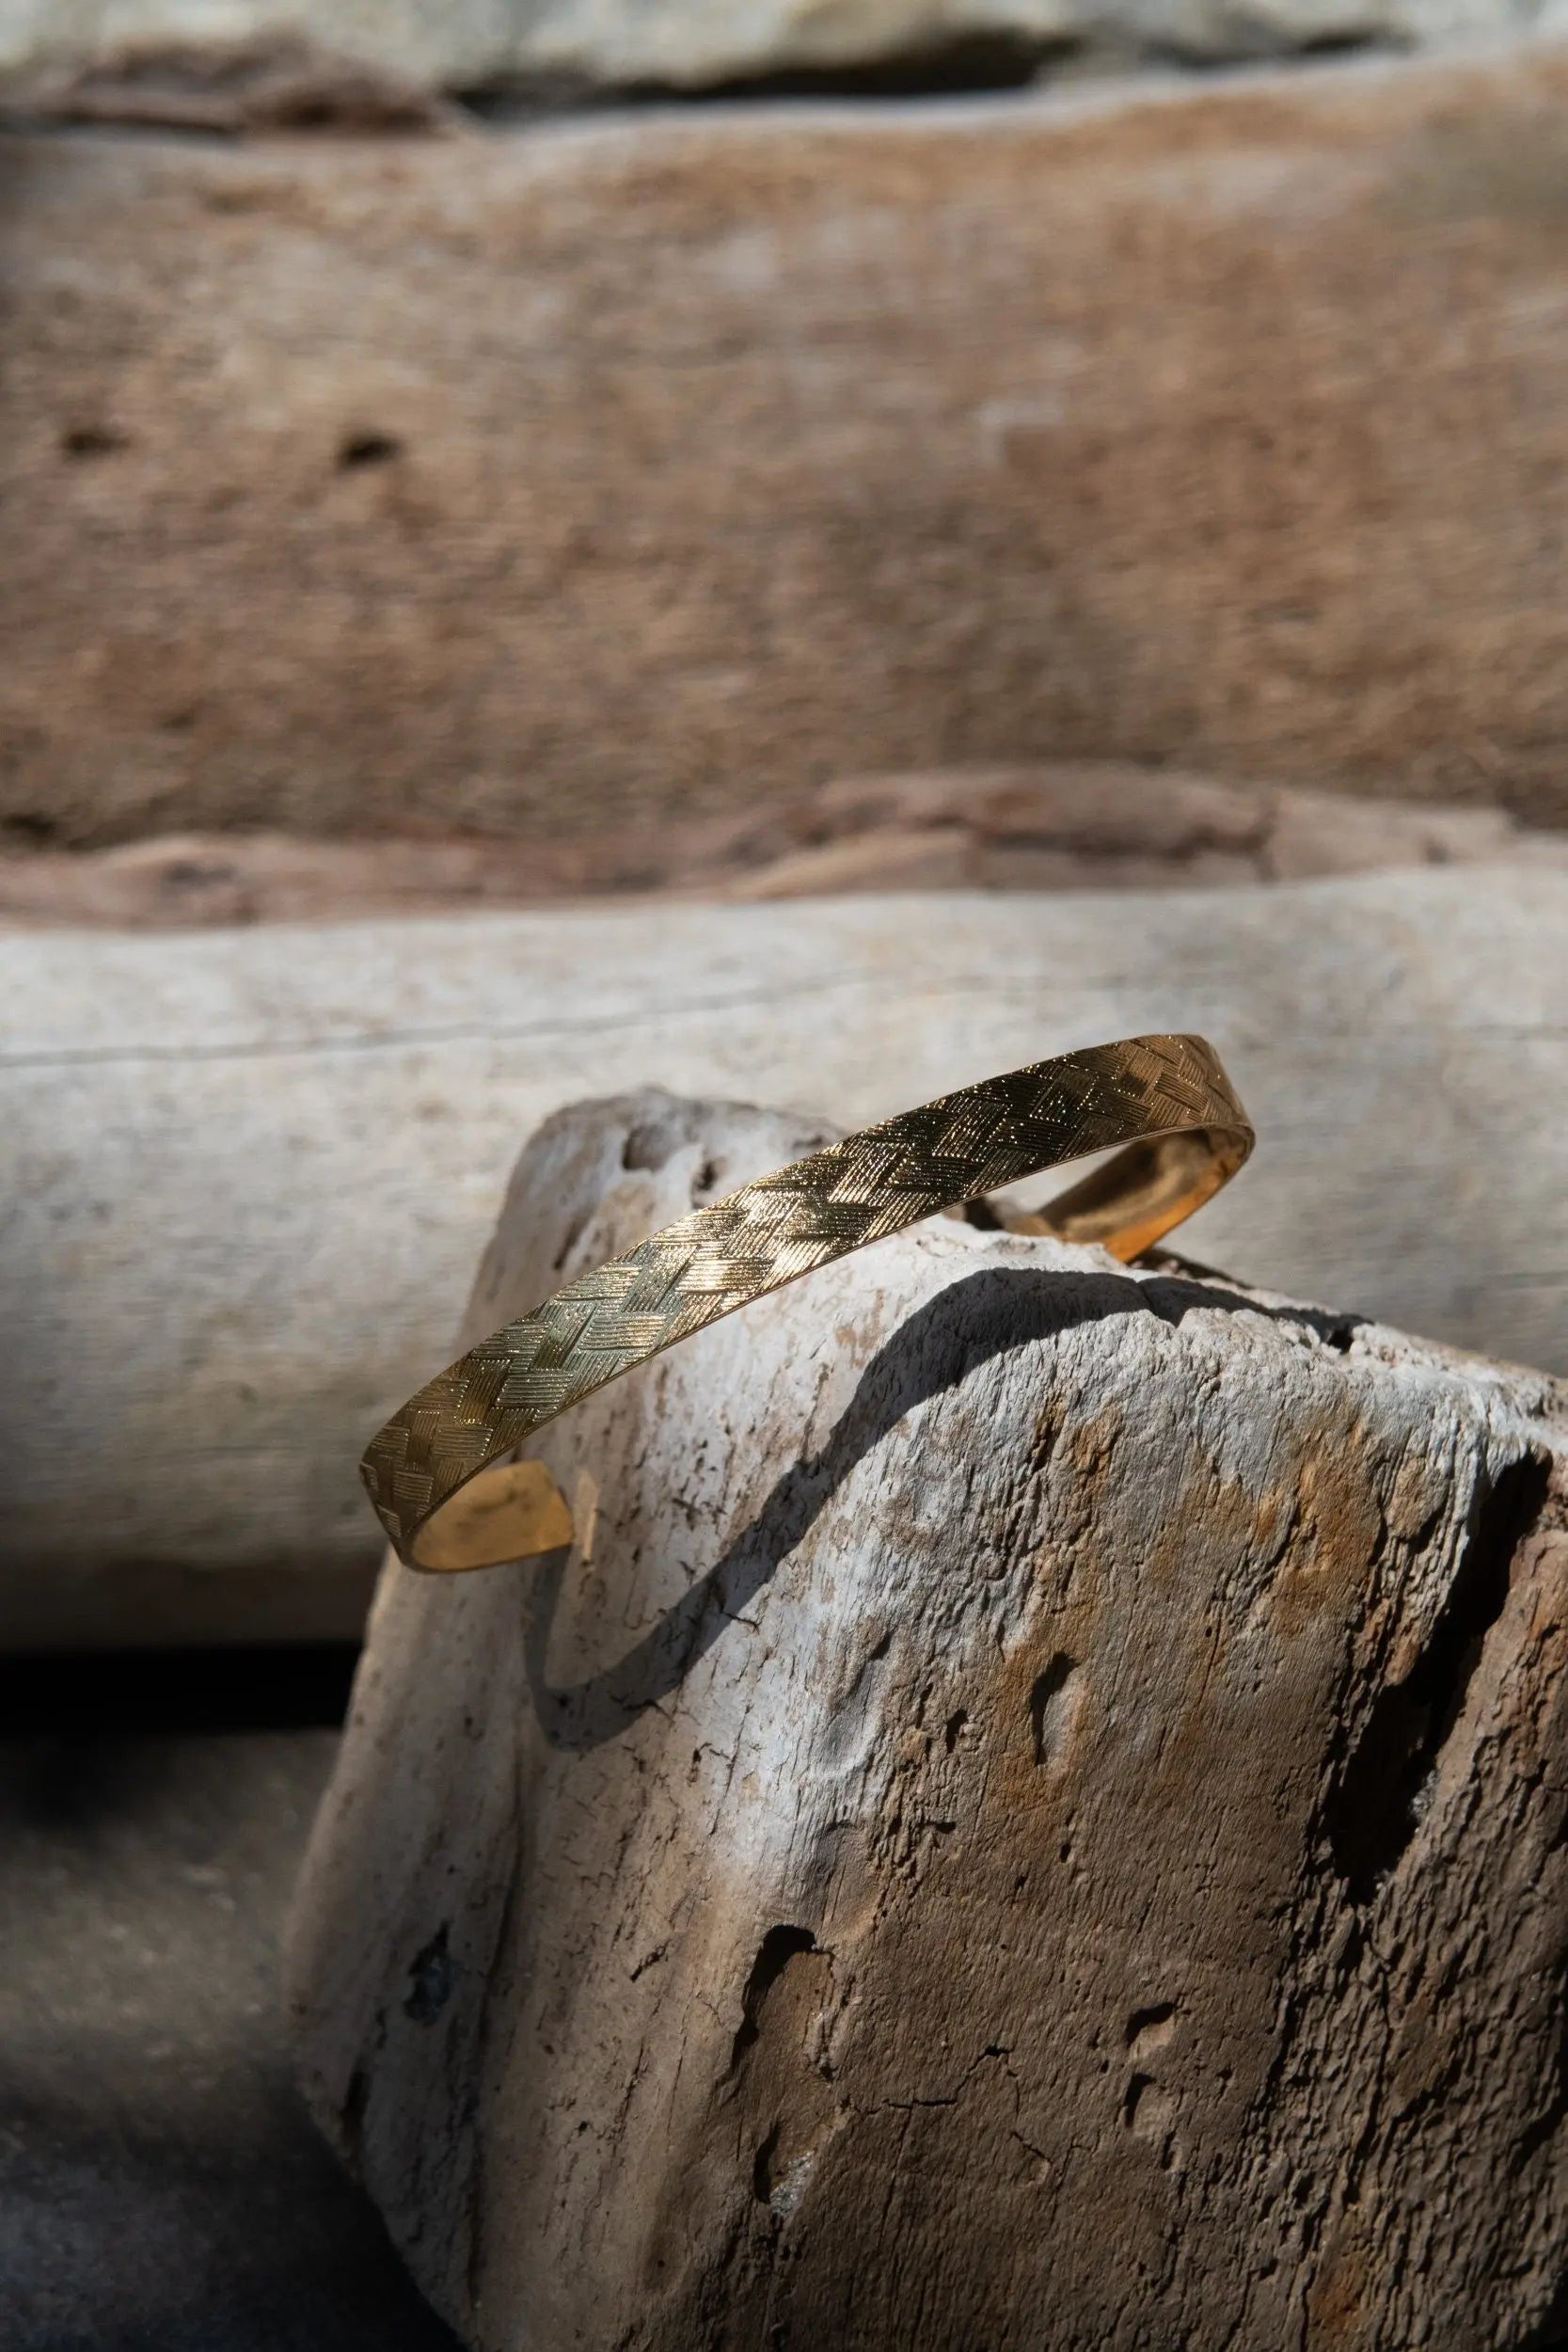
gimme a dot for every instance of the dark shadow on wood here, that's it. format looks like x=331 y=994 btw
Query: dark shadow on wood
x=974 y=1319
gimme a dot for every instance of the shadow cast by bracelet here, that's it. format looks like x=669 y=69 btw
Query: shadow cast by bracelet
x=979 y=1317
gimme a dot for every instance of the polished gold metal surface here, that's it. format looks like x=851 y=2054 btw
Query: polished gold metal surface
x=1166 y=1099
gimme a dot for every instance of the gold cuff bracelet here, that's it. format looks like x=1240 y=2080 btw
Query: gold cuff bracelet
x=1166 y=1099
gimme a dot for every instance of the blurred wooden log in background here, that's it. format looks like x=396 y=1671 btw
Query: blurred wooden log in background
x=656 y=467
x=382 y=65
x=1030 y=1813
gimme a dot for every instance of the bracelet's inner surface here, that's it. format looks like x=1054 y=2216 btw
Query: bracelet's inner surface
x=512 y=1511
x=1127 y=1202
x=1135 y=1197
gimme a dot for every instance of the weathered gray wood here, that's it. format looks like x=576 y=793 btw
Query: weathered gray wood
x=245 y=1176
x=1030 y=1815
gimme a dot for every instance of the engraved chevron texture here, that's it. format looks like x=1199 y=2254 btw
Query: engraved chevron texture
x=788 y=1224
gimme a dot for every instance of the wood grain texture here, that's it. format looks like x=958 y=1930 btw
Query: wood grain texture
x=246 y=1175
x=658 y=467
x=1029 y=1814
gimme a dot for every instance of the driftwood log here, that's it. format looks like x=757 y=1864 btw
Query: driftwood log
x=1029 y=1814
x=245 y=1175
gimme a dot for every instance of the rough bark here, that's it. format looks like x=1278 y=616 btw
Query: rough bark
x=1030 y=1814
x=245 y=1174
x=607 y=475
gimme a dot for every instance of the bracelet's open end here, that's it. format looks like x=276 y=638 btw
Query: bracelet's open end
x=1140 y=1194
